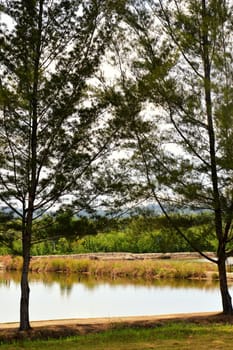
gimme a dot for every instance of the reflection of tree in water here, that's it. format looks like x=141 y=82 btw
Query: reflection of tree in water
x=186 y=283
x=66 y=282
x=92 y=283
x=65 y=289
x=6 y=278
x=5 y=282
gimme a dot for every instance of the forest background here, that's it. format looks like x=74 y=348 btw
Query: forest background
x=145 y=231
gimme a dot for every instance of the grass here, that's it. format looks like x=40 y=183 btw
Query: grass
x=146 y=269
x=172 y=336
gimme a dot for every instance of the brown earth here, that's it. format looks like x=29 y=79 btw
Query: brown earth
x=63 y=328
x=127 y=256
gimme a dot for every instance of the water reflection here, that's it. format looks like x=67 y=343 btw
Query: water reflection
x=60 y=295
x=68 y=281
x=90 y=282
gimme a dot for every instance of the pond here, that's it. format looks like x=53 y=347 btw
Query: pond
x=59 y=296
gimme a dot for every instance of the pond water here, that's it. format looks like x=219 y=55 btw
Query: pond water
x=58 y=296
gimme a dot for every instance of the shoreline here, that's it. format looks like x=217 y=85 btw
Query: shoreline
x=47 y=329
x=110 y=320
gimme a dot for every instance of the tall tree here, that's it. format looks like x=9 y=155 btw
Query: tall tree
x=181 y=121
x=49 y=136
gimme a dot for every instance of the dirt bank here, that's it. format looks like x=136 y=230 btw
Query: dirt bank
x=127 y=256
x=62 y=328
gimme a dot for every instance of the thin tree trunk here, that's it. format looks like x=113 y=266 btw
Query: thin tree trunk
x=226 y=298
x=26 y=253
x=25 y=290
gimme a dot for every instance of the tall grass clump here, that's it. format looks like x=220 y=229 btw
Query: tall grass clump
x=60 y=265
x=11 y=263
x=80 y=266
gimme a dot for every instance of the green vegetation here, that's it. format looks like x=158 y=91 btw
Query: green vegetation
x=173 y=336
x=143 y=232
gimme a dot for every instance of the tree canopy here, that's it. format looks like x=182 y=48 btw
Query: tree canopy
x=52 y=130
x=174 y=96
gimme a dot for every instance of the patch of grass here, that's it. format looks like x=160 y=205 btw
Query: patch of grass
x=12 y=263
x=146 y=269
x=173 y=336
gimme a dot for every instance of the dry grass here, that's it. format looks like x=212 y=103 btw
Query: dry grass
x=146 y=269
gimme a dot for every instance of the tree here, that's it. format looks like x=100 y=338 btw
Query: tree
x=50 y=136
x=9 y=232
x=181 y=125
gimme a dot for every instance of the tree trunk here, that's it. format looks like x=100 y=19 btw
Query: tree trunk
x=226 y=298
x=25 y=290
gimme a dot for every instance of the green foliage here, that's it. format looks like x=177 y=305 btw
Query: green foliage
x=137 y=234
x=164 y=240
x=47 y=141
x=50 y=136
x=173 y=100
x=10 y=228
x=63 y=233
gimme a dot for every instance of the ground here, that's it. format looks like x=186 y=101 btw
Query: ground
x=59 y=328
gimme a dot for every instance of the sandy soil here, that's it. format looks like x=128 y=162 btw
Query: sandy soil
x=59 y=328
